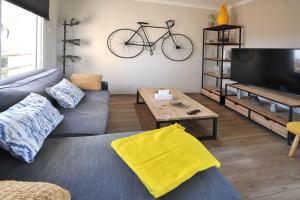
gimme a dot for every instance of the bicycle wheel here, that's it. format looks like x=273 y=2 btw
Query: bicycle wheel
x=177 y=47
x=118 y=43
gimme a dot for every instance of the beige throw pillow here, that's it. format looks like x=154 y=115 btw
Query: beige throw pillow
x=87 y=81
x=18 y=190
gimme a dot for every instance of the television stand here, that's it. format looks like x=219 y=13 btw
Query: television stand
x=260 y=113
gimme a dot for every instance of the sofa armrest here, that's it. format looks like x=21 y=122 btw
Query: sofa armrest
x=104 y=85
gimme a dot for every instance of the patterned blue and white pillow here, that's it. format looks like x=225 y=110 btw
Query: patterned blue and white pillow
x=66 y=94
x=25 y=126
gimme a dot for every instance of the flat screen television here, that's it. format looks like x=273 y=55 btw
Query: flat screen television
x=272 y=68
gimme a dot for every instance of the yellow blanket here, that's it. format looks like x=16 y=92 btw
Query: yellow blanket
x=164 y=158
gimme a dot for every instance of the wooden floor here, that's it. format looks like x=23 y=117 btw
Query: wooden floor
x=254 y=159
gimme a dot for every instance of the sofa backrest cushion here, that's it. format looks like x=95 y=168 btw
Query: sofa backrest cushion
x=16 y=78
x=13 y=92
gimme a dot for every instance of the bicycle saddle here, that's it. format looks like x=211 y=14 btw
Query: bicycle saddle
x=143 y=23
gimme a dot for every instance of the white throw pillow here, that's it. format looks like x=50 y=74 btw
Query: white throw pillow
x=25 y=126
x=66 y=94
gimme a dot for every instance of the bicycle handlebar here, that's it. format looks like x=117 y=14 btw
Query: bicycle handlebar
x=170 y=23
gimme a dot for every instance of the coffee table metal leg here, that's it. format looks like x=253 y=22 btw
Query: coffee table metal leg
x=137 y=97
x=215 y=127
x=214 y=131
x=210 y=137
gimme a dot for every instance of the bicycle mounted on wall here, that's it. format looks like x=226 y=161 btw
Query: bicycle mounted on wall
x=128 y=43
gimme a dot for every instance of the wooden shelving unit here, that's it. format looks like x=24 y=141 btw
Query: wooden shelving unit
x=224 y=27
x=216 y=92
x=275 y=121
x=217 y=75
x=218 y=59
x=223 y=44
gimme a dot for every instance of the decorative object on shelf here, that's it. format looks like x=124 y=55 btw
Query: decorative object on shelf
x=176 y=47
x=73 y=58
x=74 y=42
x=74 y=22
x=209 y=41
x=223 y=17
x=227 y=54
x=218 y=69
x=212 y=19
x=254 y=100
x=224 y=37
x=239 y=94
x=77 y=42
x=227 y=69
x=273 y=107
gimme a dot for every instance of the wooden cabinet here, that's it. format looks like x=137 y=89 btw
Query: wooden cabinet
x=277 y=128
x=260 y=112
x=238 y=108
x=260 y=119
x=270 y=124
x=211 y=95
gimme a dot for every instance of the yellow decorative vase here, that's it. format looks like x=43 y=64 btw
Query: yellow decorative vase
x=223 y=17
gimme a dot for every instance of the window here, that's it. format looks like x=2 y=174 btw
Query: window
x=21 y=40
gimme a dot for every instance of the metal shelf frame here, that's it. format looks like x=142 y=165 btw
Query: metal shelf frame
x=219 y=59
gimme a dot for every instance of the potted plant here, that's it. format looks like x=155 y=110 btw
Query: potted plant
x=212 y=19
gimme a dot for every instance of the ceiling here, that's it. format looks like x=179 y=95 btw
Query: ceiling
x=207 y=4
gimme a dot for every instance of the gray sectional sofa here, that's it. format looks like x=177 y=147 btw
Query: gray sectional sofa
x=86 y=165
x=89 y=118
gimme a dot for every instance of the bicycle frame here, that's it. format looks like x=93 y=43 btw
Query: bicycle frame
x=129 y=43
x=148 y=42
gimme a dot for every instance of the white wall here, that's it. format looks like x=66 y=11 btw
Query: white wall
x=50 y=42
x=270 y=23
x=101 y=17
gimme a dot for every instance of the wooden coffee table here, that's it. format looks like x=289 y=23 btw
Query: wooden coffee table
x=165 y=111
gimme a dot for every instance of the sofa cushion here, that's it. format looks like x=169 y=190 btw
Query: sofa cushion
x=66 y=94
x=14 y=92
x=22 y=76
x=87 y=81
x=90 y=117
x=89 y=168
x=24 y=126
x=96 y=97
